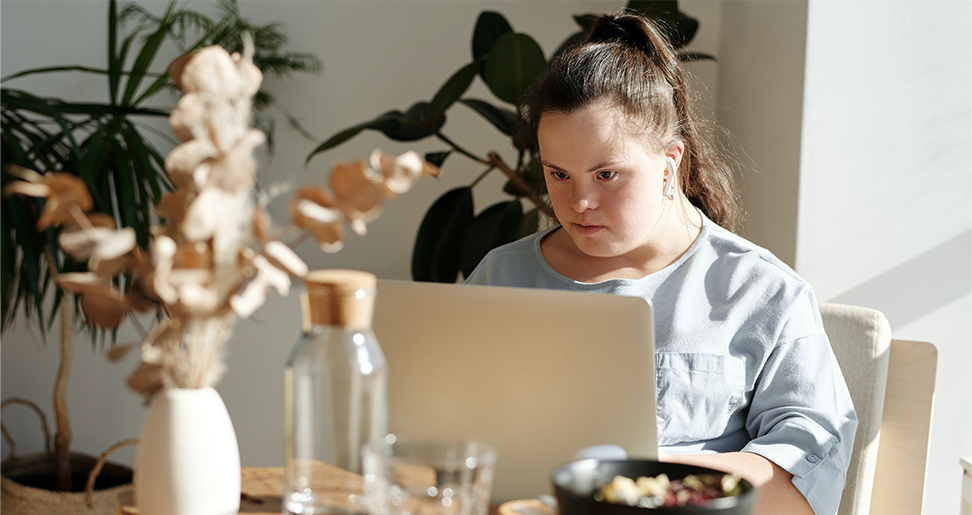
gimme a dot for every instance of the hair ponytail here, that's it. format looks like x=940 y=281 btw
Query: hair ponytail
x=629 y=63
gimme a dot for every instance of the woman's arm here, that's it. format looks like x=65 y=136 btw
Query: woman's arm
x=776 y=493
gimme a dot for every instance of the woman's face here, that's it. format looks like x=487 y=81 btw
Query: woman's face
x=605 y=186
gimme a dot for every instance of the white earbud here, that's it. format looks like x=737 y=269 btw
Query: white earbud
x=669 y=191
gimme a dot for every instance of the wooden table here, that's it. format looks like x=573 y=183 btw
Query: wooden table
x=261 y=493
x=262 y=488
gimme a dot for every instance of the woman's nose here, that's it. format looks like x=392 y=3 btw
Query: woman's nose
x=582 y=199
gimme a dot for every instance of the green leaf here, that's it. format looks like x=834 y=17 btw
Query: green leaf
x=125 y=188
x=454 y=88
x=687 y=57
x=436 y=254
x=417 y=123
x=490 y=26
x=382 y=123
x=501 y=118
x=497 y=225
x=665 y=11
x=687 y=27
x=585 y=21
x=146 y=56
x=514 y=64
x=114 y=65
x=437 y=158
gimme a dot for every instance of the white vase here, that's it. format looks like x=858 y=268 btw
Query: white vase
x=188 y=460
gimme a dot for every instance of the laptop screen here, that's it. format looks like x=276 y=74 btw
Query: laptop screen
x=539 y=374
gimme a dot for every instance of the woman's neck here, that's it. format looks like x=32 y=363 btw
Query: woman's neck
x=678 y=229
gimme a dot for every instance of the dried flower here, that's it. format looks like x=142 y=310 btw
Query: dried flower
x=213 y=255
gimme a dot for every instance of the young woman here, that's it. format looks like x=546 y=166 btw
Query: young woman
x=747 y=381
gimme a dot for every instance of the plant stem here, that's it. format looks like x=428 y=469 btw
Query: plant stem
x=517 y=180
x=461 y=150
x=482 y=176
x=62 y=439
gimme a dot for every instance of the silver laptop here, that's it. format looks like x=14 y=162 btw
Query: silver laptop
x=539 y=374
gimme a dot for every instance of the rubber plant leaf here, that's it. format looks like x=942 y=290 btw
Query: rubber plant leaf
x=436 y=254
x=417 y=123
x=454 y=88
x=499 y=224
x=686 y=57
x=513 y=65
x=438 y=158
x=501 y=118
x=385 y=122
x=490 y=26
x=585 y=21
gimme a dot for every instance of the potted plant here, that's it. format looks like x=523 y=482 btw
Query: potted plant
x=102 y=145
x=452 y=237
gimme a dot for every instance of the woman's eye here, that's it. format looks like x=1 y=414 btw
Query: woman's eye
x=558 y=175
x=606 y=174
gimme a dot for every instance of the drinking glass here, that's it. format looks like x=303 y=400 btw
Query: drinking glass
x=416 y=476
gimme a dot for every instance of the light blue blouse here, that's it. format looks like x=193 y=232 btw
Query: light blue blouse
x=742 y=360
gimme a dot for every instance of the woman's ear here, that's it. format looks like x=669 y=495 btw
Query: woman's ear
x=675 y=151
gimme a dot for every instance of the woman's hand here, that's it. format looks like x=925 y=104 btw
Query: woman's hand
x=776 y=494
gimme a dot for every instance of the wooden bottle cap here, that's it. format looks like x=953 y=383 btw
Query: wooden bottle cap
x=336 y=297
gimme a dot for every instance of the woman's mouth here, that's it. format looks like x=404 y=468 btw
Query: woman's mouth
x=587 y=229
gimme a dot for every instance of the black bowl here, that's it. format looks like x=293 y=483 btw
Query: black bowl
x=576 y=482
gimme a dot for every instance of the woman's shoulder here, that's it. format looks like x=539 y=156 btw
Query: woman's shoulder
x=732 y=250
x=504 y=265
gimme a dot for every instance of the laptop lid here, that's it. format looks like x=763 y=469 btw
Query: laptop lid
x=539 y=374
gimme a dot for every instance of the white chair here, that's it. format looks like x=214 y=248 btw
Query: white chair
x=892 y=383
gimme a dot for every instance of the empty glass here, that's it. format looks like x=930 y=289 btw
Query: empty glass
x=404 y=476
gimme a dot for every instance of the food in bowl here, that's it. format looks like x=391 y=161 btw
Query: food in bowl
x=658 y=491
x=577 y=483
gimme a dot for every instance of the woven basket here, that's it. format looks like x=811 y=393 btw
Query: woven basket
x=18 y=499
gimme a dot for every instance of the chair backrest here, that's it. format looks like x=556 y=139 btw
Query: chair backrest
x=891 y=383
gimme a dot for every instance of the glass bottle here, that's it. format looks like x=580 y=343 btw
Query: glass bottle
x=335 y=395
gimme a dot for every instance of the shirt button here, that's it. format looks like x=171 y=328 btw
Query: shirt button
x=813 y=458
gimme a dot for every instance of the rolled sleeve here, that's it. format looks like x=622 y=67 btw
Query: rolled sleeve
x=803 y=420
x=811 y=454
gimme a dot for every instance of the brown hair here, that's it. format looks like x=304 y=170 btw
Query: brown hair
x=628 y=63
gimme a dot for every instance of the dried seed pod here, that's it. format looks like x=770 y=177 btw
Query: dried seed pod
x=112 y=253
x=184 y=162
x=313 y=209
x=82 y=282
x=67 y=194
x=105 y=307
x=234 y=172
x=205 y=213
x=399 y=173
x=356 y=187
x=285 y=258
x=188 y=119
x=211 y=71
x=172 y=206
x=252 y=76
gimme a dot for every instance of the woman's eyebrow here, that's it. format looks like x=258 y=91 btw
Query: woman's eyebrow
x=606 y=164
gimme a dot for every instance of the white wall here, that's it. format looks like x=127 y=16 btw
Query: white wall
x=885 y=203
x=761 y=68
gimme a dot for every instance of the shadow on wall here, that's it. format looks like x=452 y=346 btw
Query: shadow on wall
x=919 y=286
